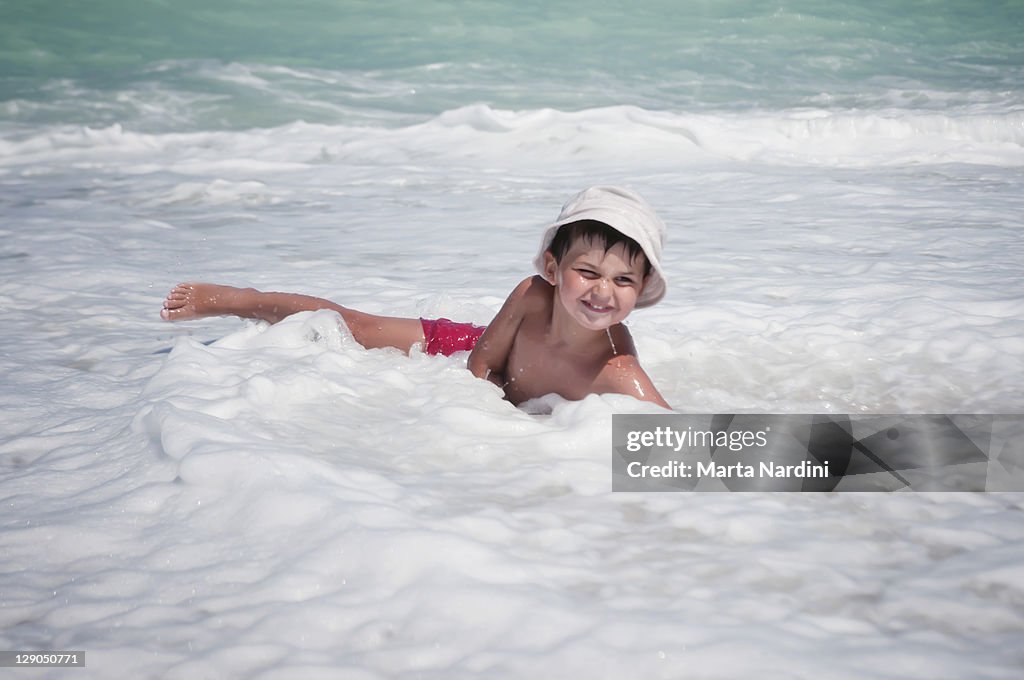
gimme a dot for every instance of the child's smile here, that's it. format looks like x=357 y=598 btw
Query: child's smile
x=598 y=288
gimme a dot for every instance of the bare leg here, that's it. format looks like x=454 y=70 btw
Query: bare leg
x=198 y=300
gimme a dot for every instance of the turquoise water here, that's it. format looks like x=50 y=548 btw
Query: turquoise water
x=236 y=64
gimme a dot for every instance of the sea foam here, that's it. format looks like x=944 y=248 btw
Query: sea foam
x=226 y=498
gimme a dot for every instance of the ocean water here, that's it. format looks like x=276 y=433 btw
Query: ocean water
x=843 y=184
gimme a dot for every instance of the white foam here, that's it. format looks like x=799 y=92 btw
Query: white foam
x=239 y=500
x=480 y=134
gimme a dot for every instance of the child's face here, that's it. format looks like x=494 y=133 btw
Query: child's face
x=598 y=289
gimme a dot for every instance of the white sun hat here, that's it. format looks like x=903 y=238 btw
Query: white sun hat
x=627 y=213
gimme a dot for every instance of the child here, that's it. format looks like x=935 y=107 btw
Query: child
x=558 y=332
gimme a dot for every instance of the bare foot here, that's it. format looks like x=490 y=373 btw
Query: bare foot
x=197 y=300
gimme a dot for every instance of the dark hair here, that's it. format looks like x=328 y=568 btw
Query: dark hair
x=592 y=230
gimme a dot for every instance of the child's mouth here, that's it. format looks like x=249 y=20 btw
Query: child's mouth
x=600 y=309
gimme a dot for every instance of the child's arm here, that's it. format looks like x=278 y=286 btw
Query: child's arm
x=490 y=355
x=624 y=375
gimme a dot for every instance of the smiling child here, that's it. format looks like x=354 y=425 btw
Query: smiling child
x=558 y=332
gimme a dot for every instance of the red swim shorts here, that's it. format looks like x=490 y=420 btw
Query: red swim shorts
x=444 y=336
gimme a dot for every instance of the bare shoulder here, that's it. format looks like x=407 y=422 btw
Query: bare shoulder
x=532 y=294
x=533 y=291
x=623 y=374
x=622 y=340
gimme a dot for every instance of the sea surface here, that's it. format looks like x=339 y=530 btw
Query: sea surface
x=844 y=189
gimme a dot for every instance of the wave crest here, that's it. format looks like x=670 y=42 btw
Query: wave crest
x=618 y=135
